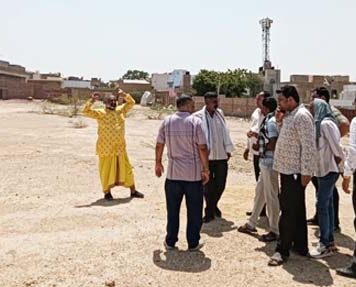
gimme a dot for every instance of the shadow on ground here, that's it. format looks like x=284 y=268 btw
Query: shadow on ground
x=182 y=261
x=341 y=240
x=307 y=270
x=217 y=227
x=104 y=203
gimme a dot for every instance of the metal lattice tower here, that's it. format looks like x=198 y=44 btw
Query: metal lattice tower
x=266 y=39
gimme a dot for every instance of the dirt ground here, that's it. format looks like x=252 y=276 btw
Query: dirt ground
x=55 y=229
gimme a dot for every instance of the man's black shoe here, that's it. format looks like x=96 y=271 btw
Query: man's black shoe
x=312 y=221
x=269 y=237
x=137 y=194
x=207 y=219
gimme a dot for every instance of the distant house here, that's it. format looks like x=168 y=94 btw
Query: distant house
x=13 y=80
x=169 y=85
x=160 y=82
x=135 y=86
x=76 y=84
x=306 y=83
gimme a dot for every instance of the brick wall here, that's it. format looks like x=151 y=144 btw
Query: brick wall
x=13 y=87
x=350 y=114
x=43 y=89
x=239 y=107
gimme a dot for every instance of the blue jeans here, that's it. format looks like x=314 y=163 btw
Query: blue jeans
x=325 y=207
x=193 y=192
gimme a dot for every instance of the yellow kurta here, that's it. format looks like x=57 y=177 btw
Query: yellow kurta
x=114 y=165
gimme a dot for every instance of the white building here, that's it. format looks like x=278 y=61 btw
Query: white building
x=176 y=78
x=160 y=82
x=347 y=97
x=78 y=84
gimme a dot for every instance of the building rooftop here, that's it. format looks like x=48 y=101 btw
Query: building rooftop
x=139 y=82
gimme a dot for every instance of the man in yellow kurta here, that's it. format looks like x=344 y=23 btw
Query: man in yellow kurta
x=114 y=165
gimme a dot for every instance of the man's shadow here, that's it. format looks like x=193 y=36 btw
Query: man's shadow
x=303 y=269
x=105 y=203
x=217 y=227
x=181 y=261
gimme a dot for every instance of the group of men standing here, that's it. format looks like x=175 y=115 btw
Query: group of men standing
x=291 y=146
x=189 y=137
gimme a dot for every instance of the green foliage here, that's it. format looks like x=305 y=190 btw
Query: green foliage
x=136 y=75
x=232 y=83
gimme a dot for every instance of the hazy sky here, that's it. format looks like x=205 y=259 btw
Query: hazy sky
x=105 y=38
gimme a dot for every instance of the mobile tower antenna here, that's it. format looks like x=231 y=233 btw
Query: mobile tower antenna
x=266 y=24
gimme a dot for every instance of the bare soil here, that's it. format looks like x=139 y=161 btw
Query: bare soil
x=55 y=229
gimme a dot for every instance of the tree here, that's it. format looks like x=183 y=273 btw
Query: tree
x=136 y=75
x=232 y=83
x=206 y=81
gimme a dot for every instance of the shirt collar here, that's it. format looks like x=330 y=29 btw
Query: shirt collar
x=292 y=113
x=183 y=114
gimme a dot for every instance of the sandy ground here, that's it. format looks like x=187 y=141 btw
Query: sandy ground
x=55 y=230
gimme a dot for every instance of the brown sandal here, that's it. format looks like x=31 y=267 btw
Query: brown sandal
x=276 y=260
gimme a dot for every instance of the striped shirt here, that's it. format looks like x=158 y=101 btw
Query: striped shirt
x=182 y=133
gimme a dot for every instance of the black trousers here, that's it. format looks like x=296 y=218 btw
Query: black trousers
x=216 y=185
x=193 y=192
x=292 y=223
x=336 y=203
x=256 y=167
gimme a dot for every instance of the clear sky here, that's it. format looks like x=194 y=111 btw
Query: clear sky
x=105 y=38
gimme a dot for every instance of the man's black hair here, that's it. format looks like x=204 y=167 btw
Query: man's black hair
x=210 y=95
x=289 y=92
x=323 y=92
x=270 y=103
x=183 y=100
x=265 y=94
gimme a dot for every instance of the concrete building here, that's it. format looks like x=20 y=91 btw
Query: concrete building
x=176 y=78
x=13 y=81
x=306 y=83
x=168 y=86
x=76 y=84
x=271 y=80
x=160 y=82
x=132 y=86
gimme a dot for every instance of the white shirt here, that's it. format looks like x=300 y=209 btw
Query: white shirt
x=329 y=148
x=217 y=149
x=256 y=121
x=295 y=150
x=350 y=163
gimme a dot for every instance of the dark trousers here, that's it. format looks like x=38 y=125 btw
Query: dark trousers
x=335 y=203
x=193 y=192
x=256 y=167
x=292 y=223
x=215 y=187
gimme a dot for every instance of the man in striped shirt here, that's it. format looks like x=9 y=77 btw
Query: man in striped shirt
x=187 y=171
